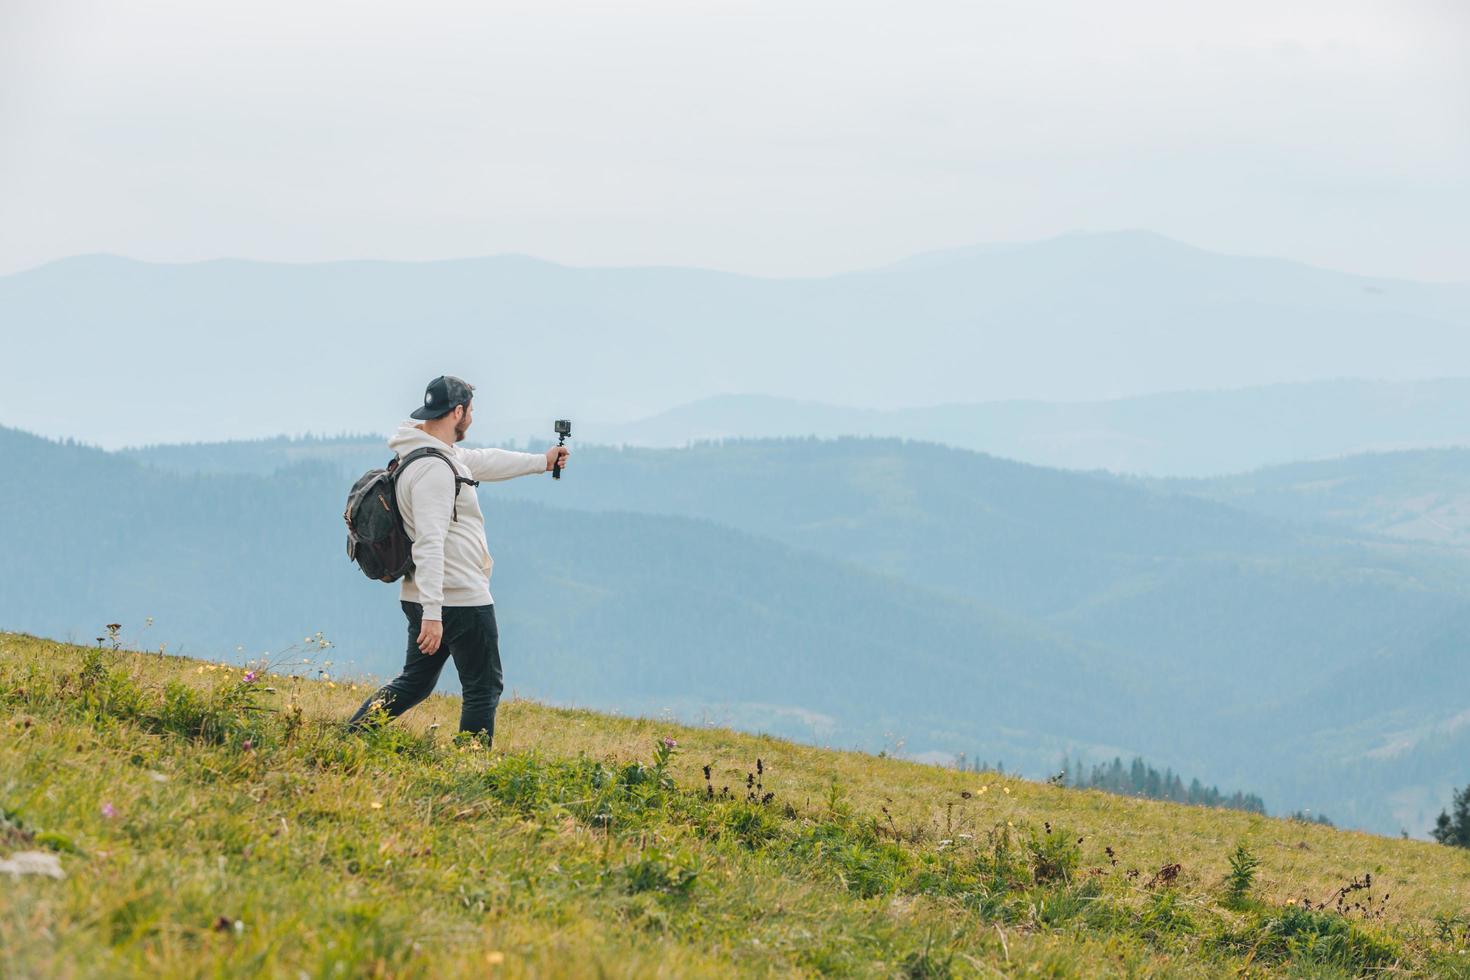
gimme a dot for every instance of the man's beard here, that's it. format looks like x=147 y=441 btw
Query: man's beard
x=460 y=430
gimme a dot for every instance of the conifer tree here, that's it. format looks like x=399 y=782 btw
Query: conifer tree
x=1453 y=825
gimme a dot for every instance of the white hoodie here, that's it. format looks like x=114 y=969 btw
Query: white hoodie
x=451 y=562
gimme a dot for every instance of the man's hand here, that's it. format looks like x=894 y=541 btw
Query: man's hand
x=557 y=453
x=430 y=633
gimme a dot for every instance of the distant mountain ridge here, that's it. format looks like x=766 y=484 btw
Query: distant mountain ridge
x=1194 y=434
x=1418 y=495
x=341 y=346
x=1172 y=434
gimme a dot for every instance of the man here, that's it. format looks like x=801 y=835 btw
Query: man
x=447 y=596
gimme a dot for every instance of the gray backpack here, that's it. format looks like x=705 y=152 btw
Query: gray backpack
x=376 y=539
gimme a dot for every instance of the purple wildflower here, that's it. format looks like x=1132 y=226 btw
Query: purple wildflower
x=669 y=743
x=248 y=745
x=249 y=677
x=108 y=811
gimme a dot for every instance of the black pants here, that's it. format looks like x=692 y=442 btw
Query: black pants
x=473 y=640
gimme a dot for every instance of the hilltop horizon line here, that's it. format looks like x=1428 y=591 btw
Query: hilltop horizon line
x=1139 y=236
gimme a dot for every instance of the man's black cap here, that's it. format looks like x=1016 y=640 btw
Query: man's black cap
x=444 y=394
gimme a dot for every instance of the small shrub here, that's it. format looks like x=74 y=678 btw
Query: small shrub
x=1242 y=876
x=184 y=711
x=1054 y=854
x=838 y=804
x=227 y=714
x=518 y=781
x=107 y=693
x=93 y=670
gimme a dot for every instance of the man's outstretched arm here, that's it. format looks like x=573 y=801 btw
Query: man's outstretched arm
x=505 y=464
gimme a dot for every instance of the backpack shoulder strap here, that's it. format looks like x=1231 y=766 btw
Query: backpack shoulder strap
x=459 y=481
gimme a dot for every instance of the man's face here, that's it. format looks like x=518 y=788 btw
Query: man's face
x=463 y=425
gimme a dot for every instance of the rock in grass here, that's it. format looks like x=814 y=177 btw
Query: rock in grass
x=32 y=863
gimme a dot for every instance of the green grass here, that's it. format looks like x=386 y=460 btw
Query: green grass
x=579 y=847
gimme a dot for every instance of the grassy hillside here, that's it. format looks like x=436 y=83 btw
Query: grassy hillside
x=208 y=822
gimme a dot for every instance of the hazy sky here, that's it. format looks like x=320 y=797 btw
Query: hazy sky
x=778 y=138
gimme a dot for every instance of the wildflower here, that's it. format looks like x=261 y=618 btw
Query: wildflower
x=495 y=958
x=248 y=745
x=199 y=671
x=249 y=677
x=331 y=683
x=669 y=743
x=108 y=811
x=376 y=805
x=1006 y=790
